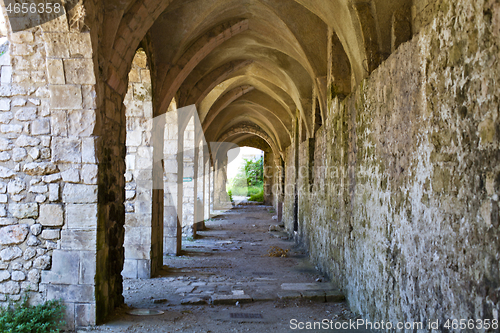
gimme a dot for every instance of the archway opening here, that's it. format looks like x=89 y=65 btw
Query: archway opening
x=245 y=175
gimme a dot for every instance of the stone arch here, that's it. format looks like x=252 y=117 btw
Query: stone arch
x=249 y=129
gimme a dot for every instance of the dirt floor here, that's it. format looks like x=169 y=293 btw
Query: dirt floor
x=230 y=262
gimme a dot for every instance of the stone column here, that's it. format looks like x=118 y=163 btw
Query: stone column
x=199 y=186
x=206 y=183
x=188 y=181
x=141 y=233
x=220 y=194
x=171 y=223
x=211 y=190
x=268 y=177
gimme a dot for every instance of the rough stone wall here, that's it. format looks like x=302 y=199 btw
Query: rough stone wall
x=49 y=168
x=412 y=176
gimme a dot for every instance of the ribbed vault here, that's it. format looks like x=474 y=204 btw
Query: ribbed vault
x=258 y=62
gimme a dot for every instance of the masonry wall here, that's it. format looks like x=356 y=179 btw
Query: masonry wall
x=406 y=218
x=49 y=168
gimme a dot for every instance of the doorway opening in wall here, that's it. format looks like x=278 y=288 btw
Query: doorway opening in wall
x=245 y=175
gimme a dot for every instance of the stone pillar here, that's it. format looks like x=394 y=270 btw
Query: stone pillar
x=199 y=185
x=141 y=234
x=268 y=177
x=172 y=231
x=211 y=190
x=206 y=183
x=188 y=180
x=221 y=199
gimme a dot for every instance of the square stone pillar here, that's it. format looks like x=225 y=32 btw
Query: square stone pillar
x=172 y=231
x=188 y=180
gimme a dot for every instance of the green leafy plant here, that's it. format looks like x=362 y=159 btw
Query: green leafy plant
x=254 y=170
x=249 y=180
x=230 y=194
x=259 y=197
x=20 y=317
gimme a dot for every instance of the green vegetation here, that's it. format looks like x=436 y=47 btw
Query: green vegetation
x=257 y=197
x=249 y=180
x=20 y=317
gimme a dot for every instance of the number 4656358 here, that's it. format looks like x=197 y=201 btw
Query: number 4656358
x=33 y=8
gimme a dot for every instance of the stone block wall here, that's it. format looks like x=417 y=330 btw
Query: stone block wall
x=48 y=168
x=406 y=221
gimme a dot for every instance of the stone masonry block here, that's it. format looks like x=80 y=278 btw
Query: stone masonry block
x=132 y=235
x=51 y=234
x=5 y=104
x=78 y=240
x=58 y=123
x=66 y=150
x=70 y=293
x=85 y=315
x=55 y=71
x=81 y=123
x=137 y=251
x=88 y=150
x=130 y=269
x=78 y=193
x=143 y=269
x=56 y=45
x=81 y=216
x=54 y=192
x=87 y=270
x=24 y=211
x=79 y=71
x=40 y=126
x=89 y=173
x=80 y=45
x=51 y=215
x=65 y=266
x=67 y=97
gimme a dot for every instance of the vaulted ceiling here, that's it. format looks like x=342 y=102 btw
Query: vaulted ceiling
x=251 y=67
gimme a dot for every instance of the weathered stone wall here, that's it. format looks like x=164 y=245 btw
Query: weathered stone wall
x=406 y=221
x=49 y=168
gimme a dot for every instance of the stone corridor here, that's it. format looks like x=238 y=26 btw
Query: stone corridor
x=378 y=120
x=230 y=259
